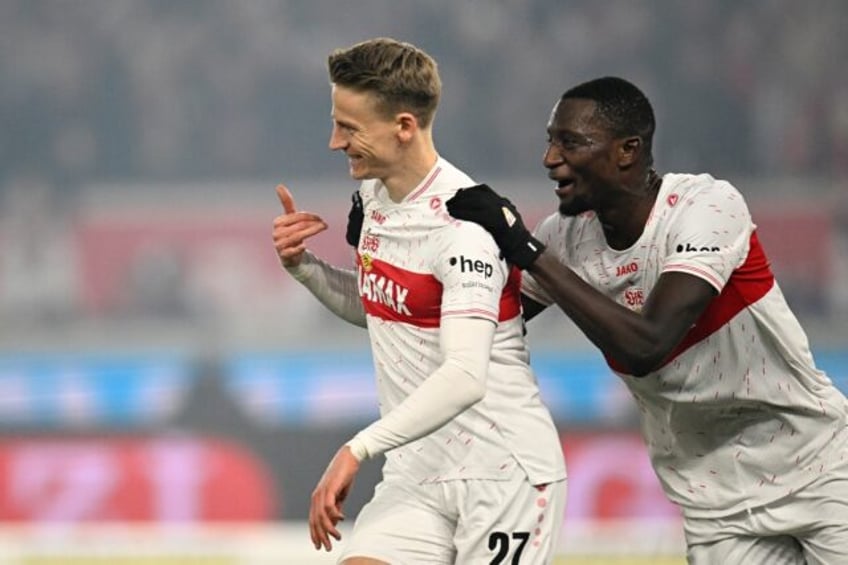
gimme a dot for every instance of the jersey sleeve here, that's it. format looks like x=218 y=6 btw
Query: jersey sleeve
x=467 y=263
x=709 y=237
x=544 y=232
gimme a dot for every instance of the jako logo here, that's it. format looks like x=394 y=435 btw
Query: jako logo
x=627 y=269
x=688 y=247
x=472 y=266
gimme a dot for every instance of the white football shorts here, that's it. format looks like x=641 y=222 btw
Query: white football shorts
x=495 y=522
x=809 y=527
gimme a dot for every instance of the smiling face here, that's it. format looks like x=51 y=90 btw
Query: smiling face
x=367 y=136
x=581 y=156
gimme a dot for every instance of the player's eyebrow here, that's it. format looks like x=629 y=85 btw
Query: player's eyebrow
x=344 y=123
x=567 y=134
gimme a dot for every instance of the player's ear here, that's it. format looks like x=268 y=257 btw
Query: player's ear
x=628 y=151
x=407 y=126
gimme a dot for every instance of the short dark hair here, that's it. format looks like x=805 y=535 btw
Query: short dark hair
x=403 y=77
x=623 y=108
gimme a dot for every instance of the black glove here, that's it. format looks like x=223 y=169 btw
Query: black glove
x=498 y=216
x=354 y=220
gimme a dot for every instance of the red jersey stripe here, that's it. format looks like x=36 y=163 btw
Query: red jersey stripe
x=749 y=283
x=397 y=295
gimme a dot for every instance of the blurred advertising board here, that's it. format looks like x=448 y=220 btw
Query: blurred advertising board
x=49 y=480
x=164 y=438
x=171 y=480
x=318 y=388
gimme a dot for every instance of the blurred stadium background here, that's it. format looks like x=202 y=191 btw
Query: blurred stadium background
x=168 y=396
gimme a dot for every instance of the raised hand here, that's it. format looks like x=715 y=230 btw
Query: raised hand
x=325 y=512
x=292 y=229
x=498 y=216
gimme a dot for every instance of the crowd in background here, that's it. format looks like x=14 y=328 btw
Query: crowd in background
x=211 y=88
x=130 y=92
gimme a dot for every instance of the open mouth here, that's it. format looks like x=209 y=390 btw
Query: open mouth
x=563 y=187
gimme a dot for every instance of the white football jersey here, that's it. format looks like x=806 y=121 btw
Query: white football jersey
x=738 y=415
x=417 y=265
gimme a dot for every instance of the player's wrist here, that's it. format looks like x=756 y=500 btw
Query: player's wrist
x=357 y=448
x=524 y=251
x=302 y=270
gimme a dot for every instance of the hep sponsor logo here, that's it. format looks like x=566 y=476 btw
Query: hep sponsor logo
x=689 y=248
x=627 y=269
x=378 y=217
x=472 y=266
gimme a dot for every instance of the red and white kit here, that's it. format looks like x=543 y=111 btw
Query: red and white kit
x=489 y=485
x=738 y=416
x=417 y=266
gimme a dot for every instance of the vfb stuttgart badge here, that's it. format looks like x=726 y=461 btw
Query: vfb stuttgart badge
x=366 y=261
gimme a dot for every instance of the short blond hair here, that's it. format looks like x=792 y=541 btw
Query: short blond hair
x=403 y=77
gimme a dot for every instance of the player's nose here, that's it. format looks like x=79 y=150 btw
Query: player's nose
x=552 y=156
x=337 y=140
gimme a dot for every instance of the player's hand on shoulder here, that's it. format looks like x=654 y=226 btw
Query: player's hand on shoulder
x=291 y=229
x=497 y=215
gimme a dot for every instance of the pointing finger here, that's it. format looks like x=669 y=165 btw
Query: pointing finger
x=285 y=199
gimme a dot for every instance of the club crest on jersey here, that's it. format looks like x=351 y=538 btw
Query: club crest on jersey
x=366 y=261
x=370 y=242
x=634 y=297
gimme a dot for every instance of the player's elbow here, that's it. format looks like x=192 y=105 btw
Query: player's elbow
x=466 y=371
x=468 y=387
x=640 y=370
x=475 y=390
x=640 y=353
x=358 y=319
x=643 y=361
